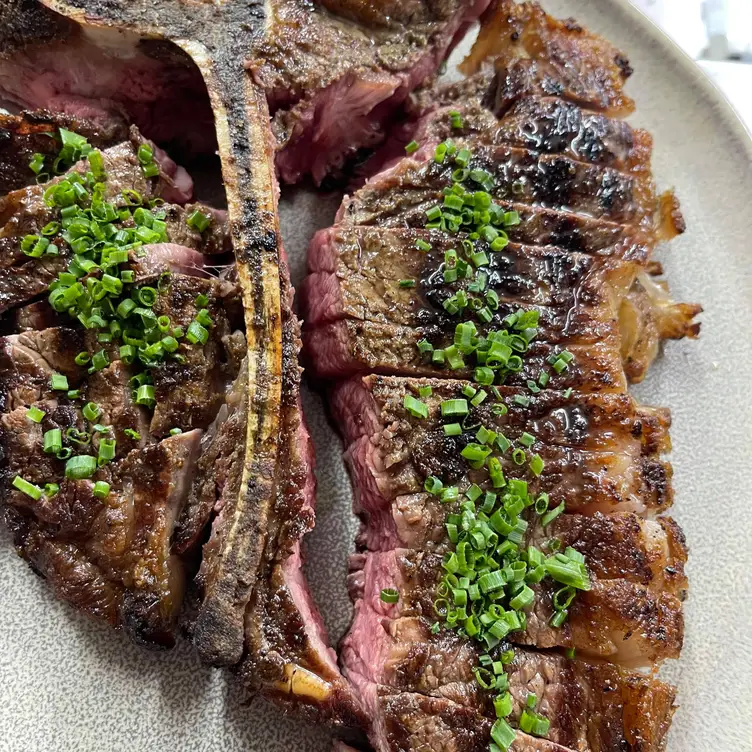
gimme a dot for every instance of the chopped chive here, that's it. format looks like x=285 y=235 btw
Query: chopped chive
x=80 y=467
x=22 y=485
x=101 y=489
x=197 y=333
x=390 y=595
x=106 y=450
x=415 y=407
x=91 y=411
x=536 y=465
x=479 y=398
x=433 y=485
x=198 y=221
x=413 y=146
x=52 y=441
x=453 y=407
x=527 y=439
x=59 y=382
x=551 y=515
x=35 y=415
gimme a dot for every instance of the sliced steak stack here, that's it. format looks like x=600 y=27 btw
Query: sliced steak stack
x=482 y=305
x=104 y=540
x=128 y=557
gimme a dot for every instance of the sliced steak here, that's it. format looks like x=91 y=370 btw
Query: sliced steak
x=327 y=106
x=618 y=620
x=39 y=315
x=22 y=136
x=548 y=125
x=647 y=316
x=24 y=212
x=521 y=175
x=416 y=723
x=109 y=557
x=601 y=453
x=263 y=622
x=371 y=279
x=591 y=706
x=189 y=393
x=28 y=360
x=536 y=54
x=107 y=77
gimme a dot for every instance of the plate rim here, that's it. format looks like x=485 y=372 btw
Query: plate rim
x=691 y=68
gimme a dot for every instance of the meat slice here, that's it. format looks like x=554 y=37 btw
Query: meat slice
x=189 y=392
x=601 y=453
x=327 y=106
x=591 y=706
x=615 y=619
x=416 y=723
x=520 y=175
x=28 y=360
x=108 y=77
x=22 y=136
x=376 y=280
x=536 y=54
x=253 y=602
x=647 y=316
x=477 y=464
x=108 y=556
x=549 y=125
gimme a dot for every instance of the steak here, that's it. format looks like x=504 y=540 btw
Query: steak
x=24 y=211
x=482 y=303
x=110 y=78
x=325 y=107
x=602 y=452
x=592 y=705
x=204 y=456
x=109 y=558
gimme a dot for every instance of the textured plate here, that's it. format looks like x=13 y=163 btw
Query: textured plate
x=66 y=684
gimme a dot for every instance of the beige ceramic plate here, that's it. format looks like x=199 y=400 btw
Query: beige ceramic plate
x=66 y=684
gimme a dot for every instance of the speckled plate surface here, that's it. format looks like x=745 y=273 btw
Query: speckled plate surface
x=66 y=684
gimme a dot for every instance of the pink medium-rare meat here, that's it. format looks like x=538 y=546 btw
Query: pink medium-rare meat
x=325 y=106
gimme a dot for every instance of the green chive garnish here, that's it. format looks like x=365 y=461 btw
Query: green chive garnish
x=27 y=488
x=389 y=595
x=35 y=415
